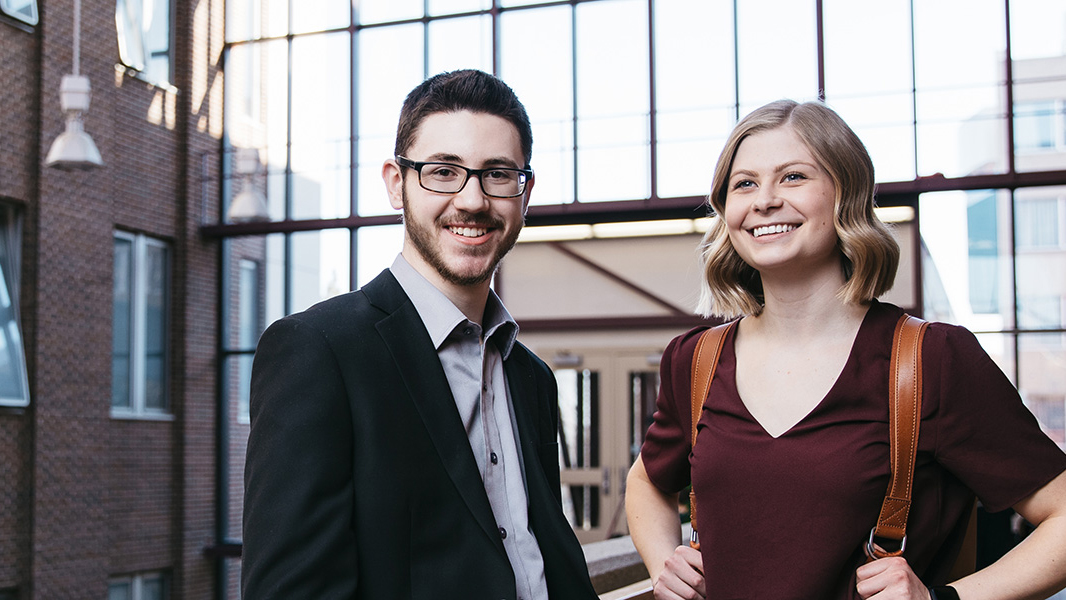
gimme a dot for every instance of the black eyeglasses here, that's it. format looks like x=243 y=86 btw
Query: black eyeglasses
x=447 y=178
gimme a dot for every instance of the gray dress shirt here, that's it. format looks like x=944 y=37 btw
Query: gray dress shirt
x=472 y=356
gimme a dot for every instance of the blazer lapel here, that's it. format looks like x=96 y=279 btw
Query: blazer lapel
x=522 y=383
x=409 y=344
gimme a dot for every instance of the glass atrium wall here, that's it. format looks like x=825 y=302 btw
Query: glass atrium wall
x=962 y=104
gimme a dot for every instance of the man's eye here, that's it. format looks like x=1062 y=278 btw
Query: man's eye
x=443 y=172
x=500 y=175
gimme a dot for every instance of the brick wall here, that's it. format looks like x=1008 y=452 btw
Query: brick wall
x=84 y=497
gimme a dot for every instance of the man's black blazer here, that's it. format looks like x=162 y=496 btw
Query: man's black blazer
x=360 y=481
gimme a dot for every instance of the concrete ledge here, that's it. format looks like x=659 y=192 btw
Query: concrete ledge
x=615 y=567
x=613 y=564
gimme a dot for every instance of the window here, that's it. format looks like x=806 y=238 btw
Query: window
x=1038 y=126
x=144 y=37
x=1037 y=222
x=14 y=385
x=23 y=10
x=148 y=586
x=139 y=330
x=250 y=328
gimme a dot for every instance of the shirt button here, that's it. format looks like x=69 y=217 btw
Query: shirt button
x=495 y=459
x=468 y=331
x=503 y=533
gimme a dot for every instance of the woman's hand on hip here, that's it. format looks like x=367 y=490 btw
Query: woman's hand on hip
x=681 y=577
x=889 y=579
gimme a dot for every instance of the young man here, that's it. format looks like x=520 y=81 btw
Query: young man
x=403 y=444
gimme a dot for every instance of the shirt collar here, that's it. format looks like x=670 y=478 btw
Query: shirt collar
x=441 y=317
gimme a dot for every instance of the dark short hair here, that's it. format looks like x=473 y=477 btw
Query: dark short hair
x=467 y=89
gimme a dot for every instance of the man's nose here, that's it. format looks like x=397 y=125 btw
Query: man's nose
x=471 y=198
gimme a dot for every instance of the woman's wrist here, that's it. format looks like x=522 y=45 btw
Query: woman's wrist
x=943 y=592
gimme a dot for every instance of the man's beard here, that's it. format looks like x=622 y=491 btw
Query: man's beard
x=422 y=240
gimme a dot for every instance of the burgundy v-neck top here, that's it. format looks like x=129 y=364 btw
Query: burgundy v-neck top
x=787 y=517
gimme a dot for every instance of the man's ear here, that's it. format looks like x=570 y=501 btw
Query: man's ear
x=392 y=174
x=525 y=196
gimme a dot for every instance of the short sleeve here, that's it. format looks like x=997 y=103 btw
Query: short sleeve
x=984 y=433
x=668 y=442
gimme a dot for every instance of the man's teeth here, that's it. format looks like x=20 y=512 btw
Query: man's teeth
x=468 y=231
x=768 y=229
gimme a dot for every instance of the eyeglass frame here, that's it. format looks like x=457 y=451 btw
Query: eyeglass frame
x=525 y=174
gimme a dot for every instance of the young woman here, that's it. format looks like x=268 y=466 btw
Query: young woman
x=791 y=460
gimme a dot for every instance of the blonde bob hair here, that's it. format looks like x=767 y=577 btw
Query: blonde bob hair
x=869 y=254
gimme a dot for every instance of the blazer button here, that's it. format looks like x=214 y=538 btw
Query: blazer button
x=503 y=533
x=495 y=459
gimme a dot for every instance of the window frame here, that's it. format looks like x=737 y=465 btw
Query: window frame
x=31 y=19
x=137 y=581
x=134 y=53
x=138 y=330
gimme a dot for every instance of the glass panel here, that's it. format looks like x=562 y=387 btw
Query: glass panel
x=613 y=99
x=579 y=418
x=762 y=75
x=460 y=44
x=144 y=37
x=1038 y=53
x=242 y=93
x=152 y=588
x=868 y=79
x=274 y=301
x=119 y=591
x=449 y=7
x=960 y=87
x=383 y=85
x=695 y=107
x=319 y=15
x=579 y=444
x=242 y=364
x=14 y=384
x=643 y=389
x=1000 y=347
x=1042 y=380
x=377 y=247
x=121 y=323
x=581 y=506
x=275 y=114
x=381 y=11
x=155 y=359
x=320 y=266
x=321 y=130
x=1039 y=219
x=966 y=262
x=276 y=22
x=250 y=323
x=544 y=82
x=23 y=10
x=242 y=21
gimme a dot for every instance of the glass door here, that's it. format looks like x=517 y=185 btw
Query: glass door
x=604 y=404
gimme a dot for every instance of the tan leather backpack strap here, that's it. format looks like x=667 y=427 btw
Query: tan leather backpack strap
x=905 y=408
x=704 y=362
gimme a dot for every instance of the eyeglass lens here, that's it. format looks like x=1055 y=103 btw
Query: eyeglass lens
x=450 y=179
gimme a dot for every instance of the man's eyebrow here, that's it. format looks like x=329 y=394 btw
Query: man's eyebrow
x=458 y=160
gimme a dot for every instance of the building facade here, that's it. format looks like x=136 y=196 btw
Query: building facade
x=130 y=305
x=107 y=461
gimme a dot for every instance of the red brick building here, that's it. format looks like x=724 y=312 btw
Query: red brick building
x=107 y=472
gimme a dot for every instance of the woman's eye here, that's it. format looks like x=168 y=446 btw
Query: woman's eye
x=743 y=183
x=795 y=177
